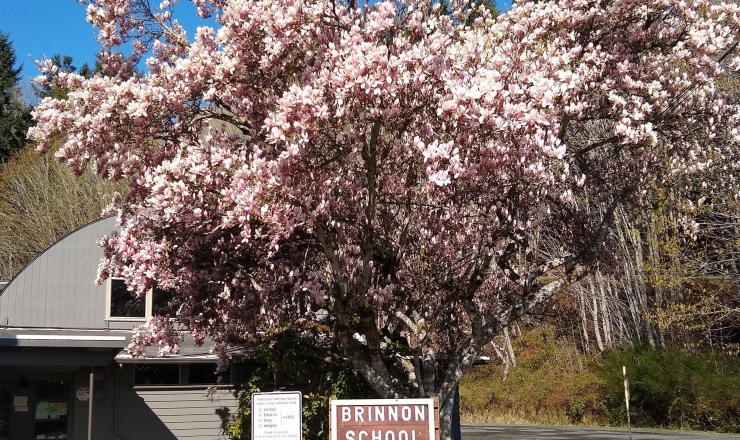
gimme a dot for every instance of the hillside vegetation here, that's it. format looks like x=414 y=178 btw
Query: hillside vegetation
x=41 y=200
x=554 y=383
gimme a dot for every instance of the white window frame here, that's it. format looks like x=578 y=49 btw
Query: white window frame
x=147 y=305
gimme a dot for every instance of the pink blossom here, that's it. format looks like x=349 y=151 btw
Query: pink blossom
x=386 y=161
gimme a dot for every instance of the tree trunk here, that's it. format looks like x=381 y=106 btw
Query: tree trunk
x=500 y=353
x=735 y=257
x=446 y=416
x=605 y=312
x=595 y=315
x=509 y=348
x=584 y=318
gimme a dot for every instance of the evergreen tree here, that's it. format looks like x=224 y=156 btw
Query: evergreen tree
x=47 y=89
x=64 y=63
x=15 y=116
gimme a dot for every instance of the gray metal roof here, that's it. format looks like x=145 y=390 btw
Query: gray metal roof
x=190 y=352
x=112 y=339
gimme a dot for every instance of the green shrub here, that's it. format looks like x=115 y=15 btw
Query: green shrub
x=554 y=383
x=674 y=389
x=289 y=363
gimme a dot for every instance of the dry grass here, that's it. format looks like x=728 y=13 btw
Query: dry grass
x=551 y=385
x=512 y=418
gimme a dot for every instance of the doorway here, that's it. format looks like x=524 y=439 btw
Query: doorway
x=34 y=409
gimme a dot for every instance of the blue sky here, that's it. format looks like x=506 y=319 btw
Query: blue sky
x=39 y=28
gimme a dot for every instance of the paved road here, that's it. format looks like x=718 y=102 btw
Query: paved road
x=472 y=431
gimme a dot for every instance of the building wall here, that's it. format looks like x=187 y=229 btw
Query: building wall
x=120 y=411
x=103 y=404
x=148 y=413
x=172 y=412
x=57 y=289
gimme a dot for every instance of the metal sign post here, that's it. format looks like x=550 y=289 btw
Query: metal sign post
x=90 y=406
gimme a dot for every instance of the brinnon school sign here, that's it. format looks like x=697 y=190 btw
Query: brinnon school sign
x=384 y=419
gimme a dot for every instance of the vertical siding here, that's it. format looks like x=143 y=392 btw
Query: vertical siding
x=57 y=289
x=26 y=311
x=188 y=414
x=54 y=301
x=96 y=308
x=68 y=304
x=37 y=312
x=75 y=276
x=83 y=262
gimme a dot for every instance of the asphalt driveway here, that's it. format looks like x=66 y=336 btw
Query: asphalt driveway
x=471 y=431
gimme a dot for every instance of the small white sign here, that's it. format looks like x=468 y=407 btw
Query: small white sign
x=83 y=393
x=277 y=416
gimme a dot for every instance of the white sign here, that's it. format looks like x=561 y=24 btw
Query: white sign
x=83 y=393
x=277 y=416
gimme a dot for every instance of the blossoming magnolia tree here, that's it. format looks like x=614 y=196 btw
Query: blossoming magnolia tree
x=415 y=172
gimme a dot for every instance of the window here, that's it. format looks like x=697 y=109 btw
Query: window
x=163 y=302
x=157 y=374
x=123 y=305
x=50 y=415
x=202 y=374
x=243 y=372
x=180 y=374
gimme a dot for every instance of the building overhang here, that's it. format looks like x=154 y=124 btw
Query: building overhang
x=29 y=357
x=126 y=358
x=63 y=338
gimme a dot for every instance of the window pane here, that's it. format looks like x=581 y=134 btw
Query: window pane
x=243 y=372
x=162 y=303
x=206 y=374
x=157 y=374
x=123 y=304
x=51 y=390
x=50 y=412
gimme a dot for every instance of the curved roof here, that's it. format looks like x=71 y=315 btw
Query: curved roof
x=60 y=239
x=57 y=288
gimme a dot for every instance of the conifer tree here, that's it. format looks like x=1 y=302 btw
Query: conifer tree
x=15 y=116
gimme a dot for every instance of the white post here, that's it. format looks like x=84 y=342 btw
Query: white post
x=627 y=398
